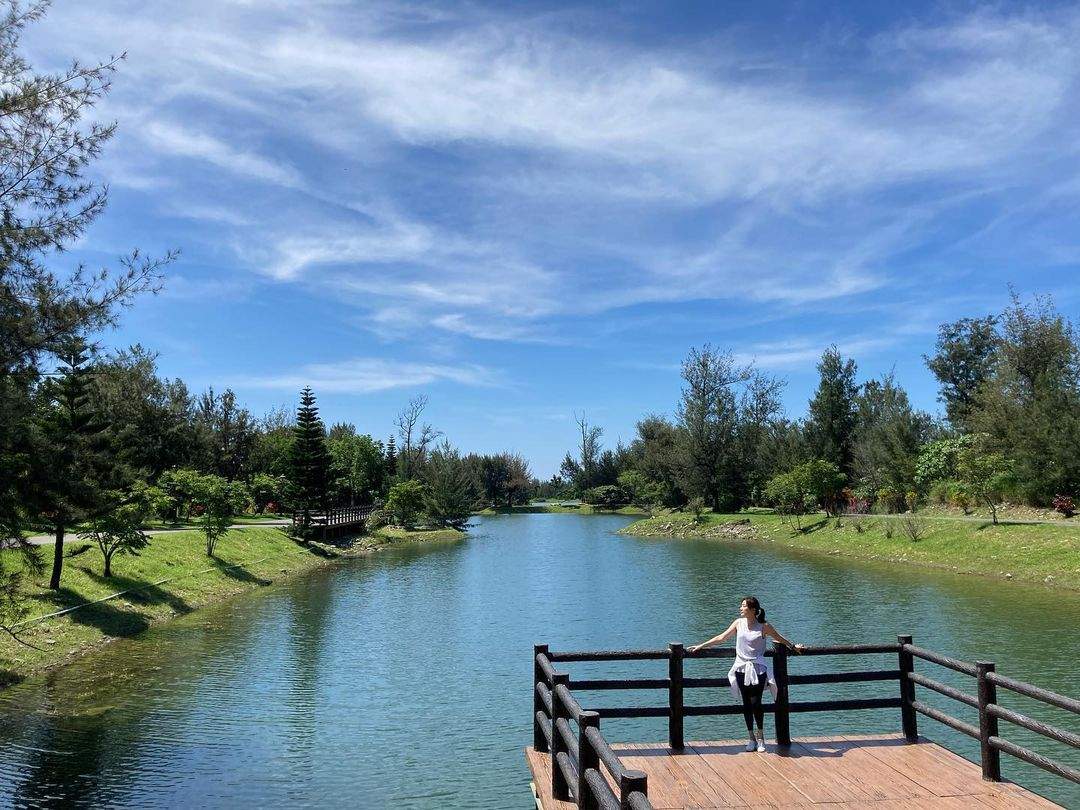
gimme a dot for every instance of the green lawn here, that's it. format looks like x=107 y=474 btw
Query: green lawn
x=245 y=558
x=1034 y=553
x=556 y=509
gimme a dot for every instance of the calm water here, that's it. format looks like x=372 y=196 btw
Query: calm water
x=403 y=679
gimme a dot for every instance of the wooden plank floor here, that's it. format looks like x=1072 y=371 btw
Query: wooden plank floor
x=877 y=772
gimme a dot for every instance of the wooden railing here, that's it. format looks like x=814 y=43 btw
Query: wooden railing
x=334 y=519
x=576 y=759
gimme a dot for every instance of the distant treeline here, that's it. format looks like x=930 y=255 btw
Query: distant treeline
x=1009 y=382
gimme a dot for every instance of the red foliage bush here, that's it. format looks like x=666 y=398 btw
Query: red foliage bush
x=1064 y=504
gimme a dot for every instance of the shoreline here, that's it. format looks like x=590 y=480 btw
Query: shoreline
x=137 y=597
x=1038 y=554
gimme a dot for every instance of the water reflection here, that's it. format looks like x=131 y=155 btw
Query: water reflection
x=402 y=679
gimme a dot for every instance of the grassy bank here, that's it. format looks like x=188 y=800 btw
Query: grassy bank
x=245 y=559
x=1033 y=553
x=558 y=509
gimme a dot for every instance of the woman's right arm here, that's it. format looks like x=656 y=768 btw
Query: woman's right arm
x=720 y=639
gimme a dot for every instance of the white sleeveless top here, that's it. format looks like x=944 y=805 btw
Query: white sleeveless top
x=750 y=658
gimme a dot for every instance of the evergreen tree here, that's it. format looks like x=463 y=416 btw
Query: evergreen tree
x=309 y=459
x=833 y=415
x=450 y=494
x=75 y=463
x=391 y=462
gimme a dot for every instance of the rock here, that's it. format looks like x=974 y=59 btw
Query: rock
x=1008 y=576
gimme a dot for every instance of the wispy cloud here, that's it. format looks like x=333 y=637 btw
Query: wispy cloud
x=365 y=375
x=494 y=174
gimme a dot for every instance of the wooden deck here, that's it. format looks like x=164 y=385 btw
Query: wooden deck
x=879 y=772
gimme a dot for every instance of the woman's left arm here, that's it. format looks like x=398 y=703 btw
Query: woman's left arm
x=773 y=633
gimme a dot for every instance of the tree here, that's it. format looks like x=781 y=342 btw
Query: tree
x=179 y=488
x=963 y=361
x=656 y=450
x=806 y=488
x=985 y=475
x=356 y=467
x=75 y=464
x=606 y=496
x=48 y=137
x=582 y=471
x=415 y=437
x=119 y=530
x=390 y=463
x=309 y=461
x=938 y=460
x=833 y=415
x=449 y=494
x=640 y=489
x=708 y=419
x=888 y=437
x=153 y=419
x=227 y=432
x=405 y=502
x=218 y=500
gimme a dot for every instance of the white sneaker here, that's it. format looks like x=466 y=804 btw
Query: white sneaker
x=751 y=744
x=761 y=746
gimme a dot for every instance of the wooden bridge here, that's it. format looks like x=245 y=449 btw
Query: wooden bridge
x=575 y=766
x=335 y=522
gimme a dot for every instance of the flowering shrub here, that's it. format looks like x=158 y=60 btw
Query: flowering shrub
x=1064 y=504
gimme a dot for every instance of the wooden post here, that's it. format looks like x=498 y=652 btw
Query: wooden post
x=560 y=790
x=907 y=691
x=588 y=758
x=540 y=742
x=631 y=782
x=783 y=716
x=988 y=724
x=675 y=696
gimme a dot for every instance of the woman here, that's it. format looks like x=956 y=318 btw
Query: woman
x=751 y=669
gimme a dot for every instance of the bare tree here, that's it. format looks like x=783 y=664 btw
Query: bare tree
x=588 y=449
x=415 y=437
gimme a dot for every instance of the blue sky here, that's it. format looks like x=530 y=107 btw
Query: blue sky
x=526 y=209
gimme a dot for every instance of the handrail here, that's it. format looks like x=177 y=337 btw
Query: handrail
x=555 y=707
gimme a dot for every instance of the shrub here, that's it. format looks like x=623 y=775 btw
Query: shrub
x=1064 y=505
x=405 y=501
x=377 y=519
x=911 y=499
x=890 y=499
x=939 y=493
x=696 y=507
x=914 y=527
x=956 y=495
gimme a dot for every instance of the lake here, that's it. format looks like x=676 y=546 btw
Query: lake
x=403 y=679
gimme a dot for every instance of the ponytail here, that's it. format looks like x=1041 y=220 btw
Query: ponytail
x=755 y=605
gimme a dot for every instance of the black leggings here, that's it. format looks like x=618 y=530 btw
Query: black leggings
x=751 y=700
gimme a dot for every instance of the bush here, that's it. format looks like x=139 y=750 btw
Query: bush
x=1064 y=505
x=939 y=493
x=405 y=501
x=957 y=496
x=377 y=519
x=696 y=507
x=914 y=527
x=911 y=499
x=891 y=500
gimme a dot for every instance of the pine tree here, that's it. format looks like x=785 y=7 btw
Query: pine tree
x=833 y=416
x=391 y=462
x=76 y=464
x=309 y=459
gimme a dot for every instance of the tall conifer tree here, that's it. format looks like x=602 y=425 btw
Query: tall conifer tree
x=834 y=411
x=309 y=459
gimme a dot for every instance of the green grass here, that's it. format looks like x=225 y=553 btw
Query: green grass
x=556 y=509
x=1033 y=553
x=396 y=534
x=245 y=558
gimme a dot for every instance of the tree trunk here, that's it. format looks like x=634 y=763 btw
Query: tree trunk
x=58 y=558
x=108 y=565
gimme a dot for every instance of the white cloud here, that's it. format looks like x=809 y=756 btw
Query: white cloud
x=490 y=176
x=366 y=375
